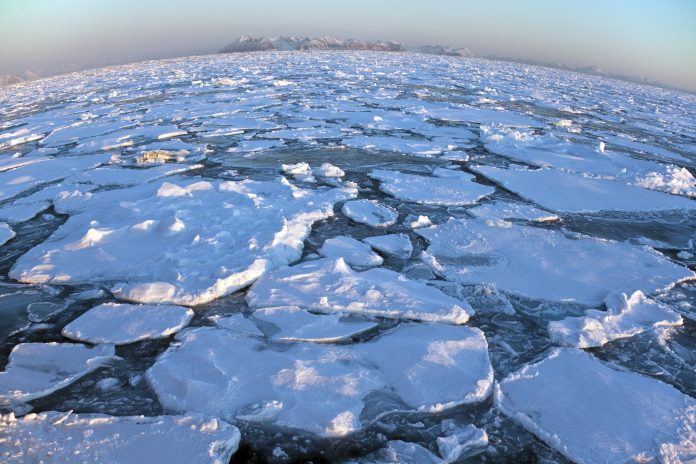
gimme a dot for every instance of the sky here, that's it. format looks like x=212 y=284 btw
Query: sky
x=651 y=38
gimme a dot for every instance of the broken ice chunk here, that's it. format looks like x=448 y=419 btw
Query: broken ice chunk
x=6 y=233
x=38 y=369
x=554 y=267
x=461 y=442
x=353 y=252
x=329 y=170
x=416 y=222
x=67 y=437
x=399 y=452
x=238 y=323
x=294 y=324
x=120 y=324
x=625 y=317
x=499 y=210
x=370 y=212
x=328 y=285
x=447 y=187
x=393 y=244
x=592 y=413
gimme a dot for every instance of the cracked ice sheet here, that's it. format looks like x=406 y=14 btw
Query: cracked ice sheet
x=572 y=193
x=625 y=317
x=447 y=187
x=16 y=181
x=553 y=266
x=38 y=369
x=290 y=323
x=592 y=413
x=353 y=252
x=53 y=437
x=119 y=324
x=399 y=452
x=187 y=254
x=328 y=285
x=321 y=388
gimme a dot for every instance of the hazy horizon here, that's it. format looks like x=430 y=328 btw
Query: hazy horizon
x=655 y=40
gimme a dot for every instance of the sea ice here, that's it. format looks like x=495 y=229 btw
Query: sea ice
x=353 y=252
x=52 y=436
x=291 y=323
x=6 y=233
x=320 y=388
x=545 y=264
x=625 y=317
x=329 y=170
x=370 y=212
x=195 y=240
x=461 y=441
x=399 y=452
x=500 y=211
x=593 y=413
x=572 y=193
x=38 y=369
x=446 y=187
x=120 y=324
x=237 y=322
x=393 y=244
x=328 y=285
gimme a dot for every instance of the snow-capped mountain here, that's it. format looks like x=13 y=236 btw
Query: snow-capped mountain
x=251 y=44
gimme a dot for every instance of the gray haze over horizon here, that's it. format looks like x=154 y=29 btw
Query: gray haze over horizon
x=656 y=40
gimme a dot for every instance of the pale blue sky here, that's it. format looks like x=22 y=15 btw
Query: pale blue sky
x=654 y=38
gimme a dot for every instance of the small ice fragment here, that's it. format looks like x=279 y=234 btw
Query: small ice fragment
x=370 y=212
x=393 y=244
x=354 y=252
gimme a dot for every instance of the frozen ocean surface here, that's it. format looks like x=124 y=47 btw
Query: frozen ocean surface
x=346 y=257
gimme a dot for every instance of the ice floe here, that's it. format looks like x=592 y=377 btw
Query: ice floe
x=625 y=316
x=353 y=252
x=321 y=388
x=119 y=324
x=6 y=233
x=400 y=452
x=370 y=212
x=572 y=193
x=461 y=441
x=328 y=285
x=500 y=210
x=195 y=240
x=592 y=413
x=290 y=323
x=38 y=369
x=446 y=187
x=392 y=244
x=67 y=437
x=545 y=264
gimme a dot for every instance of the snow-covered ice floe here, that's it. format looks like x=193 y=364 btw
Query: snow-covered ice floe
x=353 y=252
x=501 y=211
x=573 y=193
x=329 y=285
x=392 y=244
x=370 y=212
x=119 y=324
x=545 y=264
x=593 y=413
x=316 y=387
x=290 y=323
x=57 y=437
x=38 y=369
x=445 y=187
x=461 y=441
x=625 y=317
x=194 y=240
